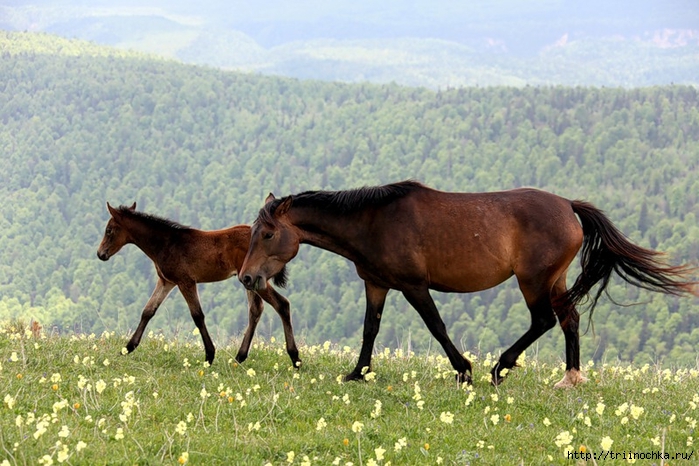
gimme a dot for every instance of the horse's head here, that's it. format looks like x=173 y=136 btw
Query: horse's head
x=115 y=236
x=274 y=241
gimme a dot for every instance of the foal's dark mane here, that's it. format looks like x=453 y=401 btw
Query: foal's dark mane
x=153 y=220
x=345 y=202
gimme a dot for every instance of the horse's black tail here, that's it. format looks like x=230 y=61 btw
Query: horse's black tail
x=605 y=250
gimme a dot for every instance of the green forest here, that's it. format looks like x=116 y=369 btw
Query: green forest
x=81 y=126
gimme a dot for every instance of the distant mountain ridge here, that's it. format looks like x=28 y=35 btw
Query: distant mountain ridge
x=429 y=44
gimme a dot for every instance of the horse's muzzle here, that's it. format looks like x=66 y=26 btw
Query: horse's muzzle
x=103 y=256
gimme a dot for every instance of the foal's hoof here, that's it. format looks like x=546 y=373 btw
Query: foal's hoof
x=241 y=357
x=294 y=356
x=464 y=377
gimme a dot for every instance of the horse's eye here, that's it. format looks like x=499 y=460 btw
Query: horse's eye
x=268 y=235
x=108 y=232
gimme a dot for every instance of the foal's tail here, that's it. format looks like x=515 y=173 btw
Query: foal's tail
x=605 y=250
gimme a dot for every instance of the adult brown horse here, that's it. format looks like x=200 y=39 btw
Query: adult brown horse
x=411 y=238
x=185 y=256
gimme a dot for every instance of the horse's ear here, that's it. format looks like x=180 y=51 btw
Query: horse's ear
x=133 y=206
x=284 y=206
x=270 y=198
x=112 y=211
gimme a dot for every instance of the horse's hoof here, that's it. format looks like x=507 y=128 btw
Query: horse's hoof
x=352 y=376
x=498 y=374
x=240 y=358
x=571 y=378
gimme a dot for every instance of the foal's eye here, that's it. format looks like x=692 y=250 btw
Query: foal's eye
x=268 y=235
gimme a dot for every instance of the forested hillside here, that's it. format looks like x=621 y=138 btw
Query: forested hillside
x=204 y=147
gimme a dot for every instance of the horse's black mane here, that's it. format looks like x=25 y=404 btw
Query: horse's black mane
x=153 y=220
x=344 y=202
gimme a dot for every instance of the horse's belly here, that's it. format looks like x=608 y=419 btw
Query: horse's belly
x=467 y=281
x=216 y=275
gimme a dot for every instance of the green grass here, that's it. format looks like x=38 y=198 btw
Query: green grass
x=76 y=399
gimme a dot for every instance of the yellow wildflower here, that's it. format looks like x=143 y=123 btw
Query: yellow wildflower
x=606 y=443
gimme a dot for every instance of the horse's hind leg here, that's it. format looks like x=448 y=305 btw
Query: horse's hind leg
x=538 y=300
x=281 y=305
x=162 y=289
x=569 y=319
x=189 y=291
x=421 y=300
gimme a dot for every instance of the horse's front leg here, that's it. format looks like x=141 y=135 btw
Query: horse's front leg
x=189 y=291
x=281 y=305
x=162 y=289
x=375 y=300
x=255 y=308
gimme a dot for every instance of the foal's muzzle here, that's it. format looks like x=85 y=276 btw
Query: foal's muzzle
x=103 y=256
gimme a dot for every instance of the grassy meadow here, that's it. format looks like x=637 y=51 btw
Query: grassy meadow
x=77 y=400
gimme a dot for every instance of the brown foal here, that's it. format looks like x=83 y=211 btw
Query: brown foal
x=185 y=256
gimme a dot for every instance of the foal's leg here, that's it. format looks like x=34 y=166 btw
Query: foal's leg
x=569 y=319
x=281 y=305
x=162 y=289
x=189 y=291
x=255 y=308
x=421 y=300
x=538 y=301
x=375 y=300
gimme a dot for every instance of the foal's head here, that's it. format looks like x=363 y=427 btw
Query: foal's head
x=115 y=236
x=273 y=243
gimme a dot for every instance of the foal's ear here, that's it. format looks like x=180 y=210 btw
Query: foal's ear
x=133 y=206
x=284 y=206
x=270 y=198
x=112 y=211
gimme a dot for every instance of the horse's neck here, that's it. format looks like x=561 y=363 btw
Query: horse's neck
x=146 y=239
x=334 y=233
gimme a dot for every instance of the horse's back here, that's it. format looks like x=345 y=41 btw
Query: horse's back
x=473 y=241
x=214 y=255
x=500 y=215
